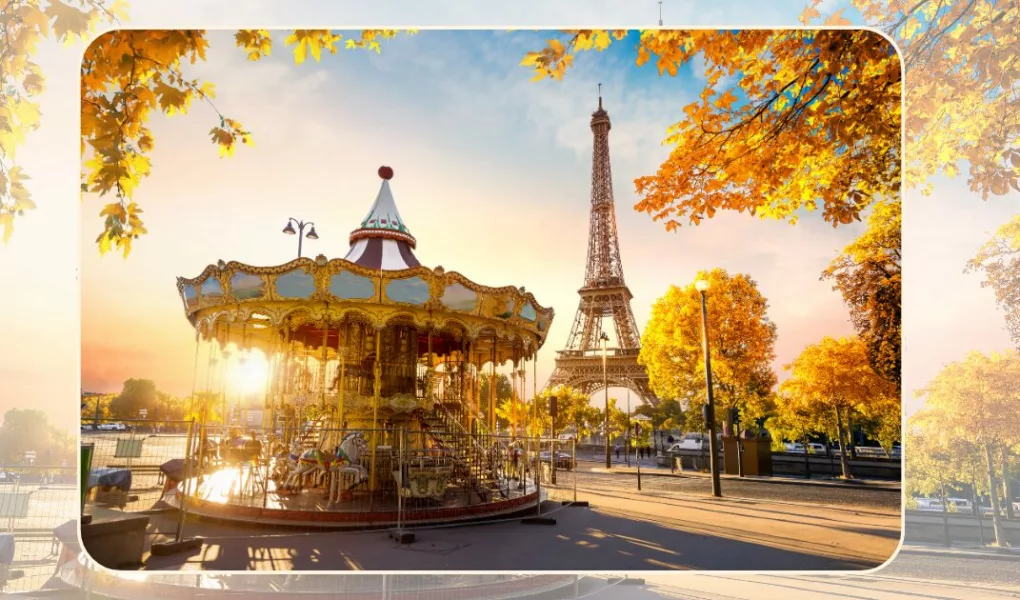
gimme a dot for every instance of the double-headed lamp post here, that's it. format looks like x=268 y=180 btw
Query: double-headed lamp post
x=289 y=230
x=713 y=451
x=605 y=383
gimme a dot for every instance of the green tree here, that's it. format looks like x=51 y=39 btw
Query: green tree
x=26 y=430
x=868 y=275
x=136 y=395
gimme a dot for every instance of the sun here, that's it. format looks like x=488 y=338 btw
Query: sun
x=250 y=373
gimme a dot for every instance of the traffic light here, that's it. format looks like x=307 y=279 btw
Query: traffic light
x=552 y=407
x=734 y=415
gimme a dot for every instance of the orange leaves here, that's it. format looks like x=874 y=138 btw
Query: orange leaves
x=129 y=74
x=868 y=275
x=256 y=42
x=554 y=60
x=959 y=57
x=227 y=135
x=68 y=21
x=813 y=121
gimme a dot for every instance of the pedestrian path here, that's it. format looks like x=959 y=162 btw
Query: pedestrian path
x=649 y=468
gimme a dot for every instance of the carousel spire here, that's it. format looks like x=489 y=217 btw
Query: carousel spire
x=383 y=241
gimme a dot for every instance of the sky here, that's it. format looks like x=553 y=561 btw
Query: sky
x=316 y=159
x=492 y=175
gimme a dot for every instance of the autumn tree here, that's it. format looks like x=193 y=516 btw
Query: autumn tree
x=976 y=400
x=961 y=69
x=573 y=409
x=741 y=340
x=999 y=260
x=618 y=419
x=811 y=121
x=831 y=384
x=868 y=275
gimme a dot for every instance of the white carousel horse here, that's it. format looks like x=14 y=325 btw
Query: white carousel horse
x=312 y=462
x=347 y=471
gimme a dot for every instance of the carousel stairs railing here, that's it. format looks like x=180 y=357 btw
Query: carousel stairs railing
x=471 y=460
x=311 y=437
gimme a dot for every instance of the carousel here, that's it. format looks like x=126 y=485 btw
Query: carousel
x=378 y=402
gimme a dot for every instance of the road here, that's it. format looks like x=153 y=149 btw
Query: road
x=916 y=563
x=658 y=480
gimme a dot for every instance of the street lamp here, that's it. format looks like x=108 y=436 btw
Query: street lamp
x=713 y=459
x=605 y=383
x=289 y=230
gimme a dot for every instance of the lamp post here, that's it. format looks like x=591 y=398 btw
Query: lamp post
x=713 y=452
x=605 y=383
x=289 y=230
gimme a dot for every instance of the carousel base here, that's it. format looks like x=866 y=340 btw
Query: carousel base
x=218 y=499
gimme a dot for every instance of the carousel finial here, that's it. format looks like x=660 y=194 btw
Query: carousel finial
x=386 y=172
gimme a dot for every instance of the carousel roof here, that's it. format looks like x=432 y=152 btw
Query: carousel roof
x=383 y=241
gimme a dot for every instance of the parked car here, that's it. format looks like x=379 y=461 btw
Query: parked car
x=563 y=460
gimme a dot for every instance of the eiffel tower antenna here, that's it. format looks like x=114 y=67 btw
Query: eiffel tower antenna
x=660 y=13
x=604 y=294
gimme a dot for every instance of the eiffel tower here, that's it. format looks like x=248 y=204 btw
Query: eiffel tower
x=604 y=294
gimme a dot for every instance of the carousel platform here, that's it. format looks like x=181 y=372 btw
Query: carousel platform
x=217 y=499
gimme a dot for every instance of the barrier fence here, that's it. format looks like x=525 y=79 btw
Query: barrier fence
x=440 y=471
x=558 y=468
x=35 y=500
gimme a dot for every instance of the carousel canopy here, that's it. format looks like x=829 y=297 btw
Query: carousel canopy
x=383 y=241
x=379 y=282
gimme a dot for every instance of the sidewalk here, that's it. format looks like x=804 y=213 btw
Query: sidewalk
x=650 y=469
x=963 y=550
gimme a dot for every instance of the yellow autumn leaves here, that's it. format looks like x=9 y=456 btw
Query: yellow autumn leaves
x=128 y=75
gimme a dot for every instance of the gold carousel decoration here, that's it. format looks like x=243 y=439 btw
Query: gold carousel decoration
x=373 y=343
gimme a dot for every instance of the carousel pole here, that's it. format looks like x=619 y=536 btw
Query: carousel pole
x=492 y=389
x=322 y=382
x=513 y=396
x=343 y=386
x=376 y=389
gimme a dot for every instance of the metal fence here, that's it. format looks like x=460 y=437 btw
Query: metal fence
x=438 y=472
x=35 y=500
x=558 y=461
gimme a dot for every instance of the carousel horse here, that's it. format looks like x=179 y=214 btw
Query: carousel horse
x=285 y=464
x=315 y=463
x=346 y=472
x=242 y=451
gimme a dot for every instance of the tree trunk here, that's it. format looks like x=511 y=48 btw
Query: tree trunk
x=850 y=432
x=843 y=462
x=1007 y=496
x=807 y=459
x=1000 y=536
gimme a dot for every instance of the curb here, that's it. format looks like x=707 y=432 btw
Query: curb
x=858 y=485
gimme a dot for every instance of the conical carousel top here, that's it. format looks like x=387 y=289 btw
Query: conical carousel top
x=378 y=283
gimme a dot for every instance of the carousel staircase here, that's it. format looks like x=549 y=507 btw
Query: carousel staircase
x=472 y=461
x=311 y=438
